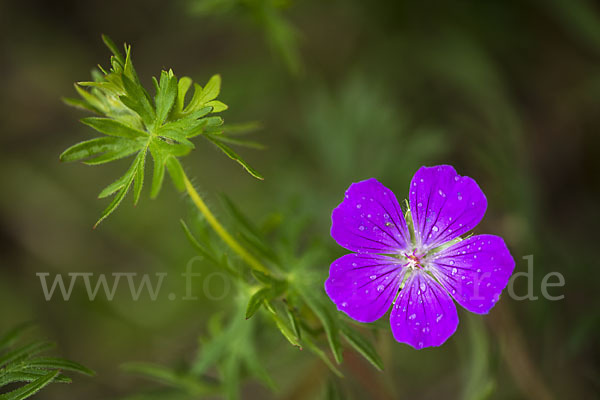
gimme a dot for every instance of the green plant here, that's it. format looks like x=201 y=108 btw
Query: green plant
x=274 y=272
x=25 y=364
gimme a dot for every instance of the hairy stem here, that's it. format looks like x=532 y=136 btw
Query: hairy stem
x=220 y=230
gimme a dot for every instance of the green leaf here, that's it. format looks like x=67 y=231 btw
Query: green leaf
x=113 y=48
x=165 y=96
x=59 y=363
x=92 y=100
x=112 y=127
x=256 y=300
x=362 y=346
x=294 y=322
x=138 y=100
x=123 y=151
x=231 y=377
x=282 y=325
x=31 y=388
x=91 y=148
x=158 y=173
x=127 y=179
x=321 y=354
x=327 y=317
x=25 y=351
x=263 y=278
x=188 y=383
x=182 y=88
x=28 y=375
x=122 y=181
x=241 y=143
x=203 y=96
x=139 y=178
x=176 y=173
x=217 y=106
x=81 y=104
x=234 y=156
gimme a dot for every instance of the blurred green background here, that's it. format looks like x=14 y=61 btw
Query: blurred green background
x=507 y=92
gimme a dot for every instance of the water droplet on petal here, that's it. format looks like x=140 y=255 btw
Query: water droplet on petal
x=422 y=286
x=438 y=317
x=372 y=277
x=361 y=228
x=358 y=206
x=344 y=304
x=435 y=228
x=412 y=316
x=420 y=205
x=454 y=271
x=380 y=288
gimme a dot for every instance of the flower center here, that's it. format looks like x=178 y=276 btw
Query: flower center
x=414 y=260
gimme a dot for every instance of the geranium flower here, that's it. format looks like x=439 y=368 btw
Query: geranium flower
x=420 y=266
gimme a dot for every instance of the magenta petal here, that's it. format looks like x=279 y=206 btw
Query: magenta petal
x=474 y=271
x=364 y=285
x=444 y=205
x=424 y=314
x=370 y=220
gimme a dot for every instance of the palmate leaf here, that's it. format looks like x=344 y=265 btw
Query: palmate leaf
x=134 y=123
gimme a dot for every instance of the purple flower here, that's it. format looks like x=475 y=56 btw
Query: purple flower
x=420 y=266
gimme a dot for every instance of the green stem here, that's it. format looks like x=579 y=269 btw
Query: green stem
x=220 y=230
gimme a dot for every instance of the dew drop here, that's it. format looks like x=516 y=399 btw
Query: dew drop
x=344 y=304
x=354 y=264
x=426 y=330
x=373 y=277
x=438 y=317
x=361 y=228
x=456 y=178
x=412 y=316
x=451 y=262
x=441 y=193
x=358 y=205
x=380 y=288
x=422 y=286
x=454 y=271
x=435 y=228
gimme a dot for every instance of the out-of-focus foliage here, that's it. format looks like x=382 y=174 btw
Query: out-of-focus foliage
x=281 y=35
x=24 y=370
x=505 y=91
